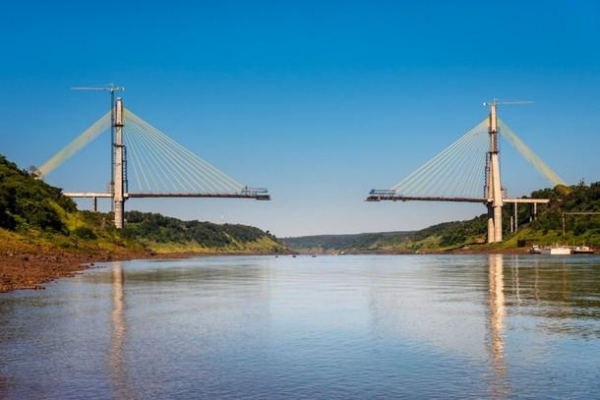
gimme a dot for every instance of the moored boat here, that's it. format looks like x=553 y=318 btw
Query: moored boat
x=535 y=249
x=556 y=250
x=582 y=250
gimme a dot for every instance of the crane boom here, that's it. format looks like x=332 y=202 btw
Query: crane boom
x=111 y=88
x=495 y=102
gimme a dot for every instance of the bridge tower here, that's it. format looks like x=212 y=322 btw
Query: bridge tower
x=118 y=166
x=493 y=187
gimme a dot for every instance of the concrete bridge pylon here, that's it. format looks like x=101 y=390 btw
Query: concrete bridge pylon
x=493 y=185
x=119 y=166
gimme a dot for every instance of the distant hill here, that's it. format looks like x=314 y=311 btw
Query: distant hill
x=166 y=234
x=355 y=243
x=433 y=238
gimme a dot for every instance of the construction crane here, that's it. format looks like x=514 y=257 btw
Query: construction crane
x=493 y=115
x=112 y=89
x=493 y=125
x=497 y=102
x=494 y=120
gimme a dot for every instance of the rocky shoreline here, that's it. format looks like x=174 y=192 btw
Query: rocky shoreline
x=32 y=269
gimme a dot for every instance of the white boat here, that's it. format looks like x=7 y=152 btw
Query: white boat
x=583 y=250
x=556 y=250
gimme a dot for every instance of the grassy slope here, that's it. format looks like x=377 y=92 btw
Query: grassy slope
x=263 y=245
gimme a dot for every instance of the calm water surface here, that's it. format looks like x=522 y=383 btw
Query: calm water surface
x=348 y=327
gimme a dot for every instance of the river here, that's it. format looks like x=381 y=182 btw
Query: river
x=327 y=327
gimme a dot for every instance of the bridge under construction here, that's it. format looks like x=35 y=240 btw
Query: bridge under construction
x=156 y=164
x=468 y=171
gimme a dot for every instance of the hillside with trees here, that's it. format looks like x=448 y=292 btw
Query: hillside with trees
x=31 y=207
x=162 y=233
x=27 y=202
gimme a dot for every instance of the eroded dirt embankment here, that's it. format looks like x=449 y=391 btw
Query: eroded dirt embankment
x=32 y=268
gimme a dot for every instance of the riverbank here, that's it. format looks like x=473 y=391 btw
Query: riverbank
x=32 y=266
x=31 y=269
x=29 y=260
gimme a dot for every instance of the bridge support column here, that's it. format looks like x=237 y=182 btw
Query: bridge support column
x=118 y=195
x=497 y=223
x=491 y=228
x=494 y=188
x=494 y=223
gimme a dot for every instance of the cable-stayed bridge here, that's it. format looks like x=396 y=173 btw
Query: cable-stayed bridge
x=147 y=163
x=469 y=171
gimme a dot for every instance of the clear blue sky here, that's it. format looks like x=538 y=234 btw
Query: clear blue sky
x=317 y=101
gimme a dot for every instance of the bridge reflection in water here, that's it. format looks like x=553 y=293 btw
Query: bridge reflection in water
x=118 y=372
x=408 y=323
x=497 y=313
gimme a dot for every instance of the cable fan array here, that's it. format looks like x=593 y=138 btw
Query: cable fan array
x=458 y=171
x=540 y=165
x=76 y=144
x=156 y=163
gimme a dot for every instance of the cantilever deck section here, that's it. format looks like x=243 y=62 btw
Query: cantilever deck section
x=257 y=194
x=390 y=195
x=379 y=195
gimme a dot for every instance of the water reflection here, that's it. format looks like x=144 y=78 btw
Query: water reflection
x=451 y=327
x=497 y=313
x=118 y=332
x=560 y=293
